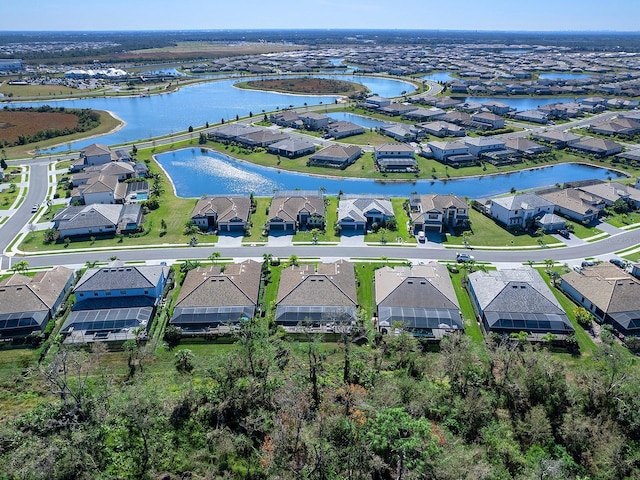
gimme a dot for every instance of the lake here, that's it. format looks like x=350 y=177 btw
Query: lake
x=196 y=172
x=194 y=105
x=563 y=76
x=364 y=122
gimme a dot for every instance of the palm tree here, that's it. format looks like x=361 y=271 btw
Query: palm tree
x=21 y=266
x=293 y=260
x=214 y=256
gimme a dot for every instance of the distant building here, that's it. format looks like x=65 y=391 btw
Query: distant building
x=11 y=65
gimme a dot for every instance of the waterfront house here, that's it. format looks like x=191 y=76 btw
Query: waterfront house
x=343 y=129
x=229 y=132
x=360 y=213
x=490 y=119
x=395 y=157
x=222 y=213
x=519 y=210
x=597 y=146
x=452 y=153
x=296 y=210
x=557 y=138
x=434 y=212
x=419 y=299
x=575 y=204
x=261 y=138
x=292 y=147
x=526 y=147
x=337 y=156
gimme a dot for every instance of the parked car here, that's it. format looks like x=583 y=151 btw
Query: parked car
x=421 y=236
x=464 y=257
x=588 y=263
x=618 y=263
x=564 y=233
x=35 y=208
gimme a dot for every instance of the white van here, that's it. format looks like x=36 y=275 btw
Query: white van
x=421 y=237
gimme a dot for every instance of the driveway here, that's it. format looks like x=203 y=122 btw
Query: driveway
x=610 y=229
x=280 y=239
x=230 y=240
x=352 y=239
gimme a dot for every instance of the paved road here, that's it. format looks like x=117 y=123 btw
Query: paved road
x=36 y=193
x=594 y=249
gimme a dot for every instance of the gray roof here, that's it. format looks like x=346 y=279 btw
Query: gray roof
x=96 y=215
x=356 y=208
x=293 y=144
x=518 y=300
x=287 y=205
x=337 y=152
x=524 y=201
x=422 y=297
x=117 y=276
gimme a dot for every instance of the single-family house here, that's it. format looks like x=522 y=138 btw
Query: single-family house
x=535 y=116
x=400 y=132
x=336 y=156
x=97 y=154
x=609 y=293
x=360 y=213
x=434 y=212
x=296 y=210
x=490 y=119
x=610 y=192
x=557 y=138
x=292 y=147
x=314 y=121
x=499 y=108
x=481 y=145
x=443 y=129
x=575 y=204
x=453 y=153
x=519 y=210
x=287 y=118
x=261 y=138
x=323 y=298
x=97 y=219
x=229 y=132
x=375 y=102
x=395 y=109
x=619 y=126
x=526 y=147
x=28 y=303
x=550 y=222
x=115 y=303
x=395 y=157
x=597 y=146
x=222 y=213
x=343 y=129
x=212 y=299
x=419 y=299
x=517 y=300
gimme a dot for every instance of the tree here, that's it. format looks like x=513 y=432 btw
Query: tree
x=21 y=266
x=401 y=441
x=202 y=139
x=583 y=317
x=190 y=129
x=172 y=336
x=163 y=224
x=548 y=264
x=190 y=228
x=184 y=360
x=214 y=256
x=293 y=260
x=134 y=150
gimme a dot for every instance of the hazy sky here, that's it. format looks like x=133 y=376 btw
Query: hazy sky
x=555 y=15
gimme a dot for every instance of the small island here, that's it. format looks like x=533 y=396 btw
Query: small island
x=306 y=86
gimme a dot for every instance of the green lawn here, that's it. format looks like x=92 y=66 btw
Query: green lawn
x=587 y=347
x=471 y=326
x=365 y=286
x=331 y=218
x=8 y=197
x=258 y=220
x=51 y=212
x=582 y=231
x=487 y=233
x=624 y=219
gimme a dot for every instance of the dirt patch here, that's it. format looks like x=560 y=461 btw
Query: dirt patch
x=13 y=124
x=310 y=86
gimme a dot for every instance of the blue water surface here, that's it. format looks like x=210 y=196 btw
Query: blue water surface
x=196 y=172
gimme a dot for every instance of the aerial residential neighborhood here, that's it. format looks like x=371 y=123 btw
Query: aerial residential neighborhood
x=320 y=253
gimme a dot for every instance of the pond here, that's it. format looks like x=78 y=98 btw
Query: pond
x=196 y=172
x=364 y=122
x=563 y=76
x=438 y=77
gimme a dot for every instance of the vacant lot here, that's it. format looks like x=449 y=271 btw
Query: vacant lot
x=16 y=124
x=311 y=86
